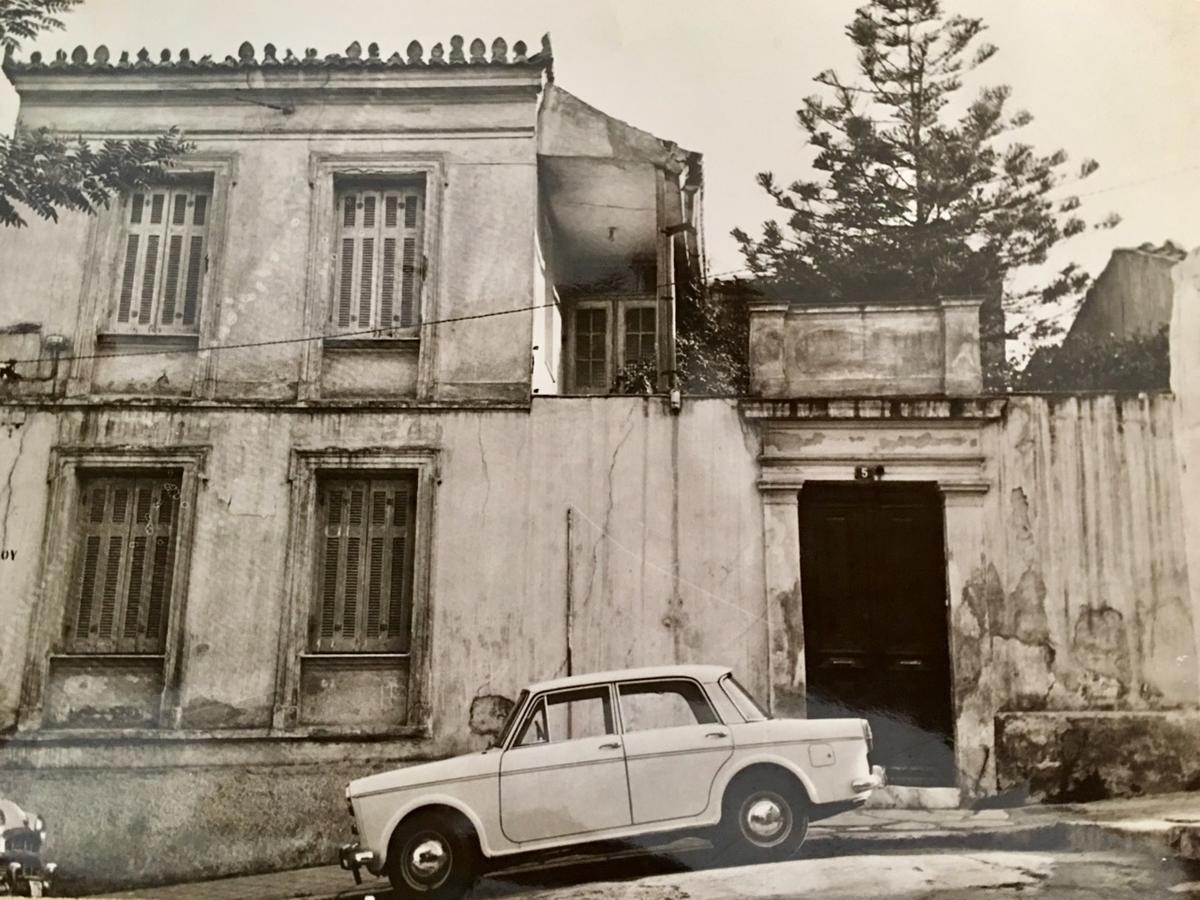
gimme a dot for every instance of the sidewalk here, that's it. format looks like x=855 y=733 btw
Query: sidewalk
x=1165 y=825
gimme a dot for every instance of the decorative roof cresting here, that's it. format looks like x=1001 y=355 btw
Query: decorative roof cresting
x=477 y=53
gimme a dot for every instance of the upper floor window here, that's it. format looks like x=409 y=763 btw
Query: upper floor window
x=124 y=563
x=164 y=258
x=612 y=345
x=379 y=256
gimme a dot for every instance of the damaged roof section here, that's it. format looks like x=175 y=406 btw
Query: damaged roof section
x=610 y=189
x=568 y=127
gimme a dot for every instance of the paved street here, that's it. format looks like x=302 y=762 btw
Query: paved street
x=942 y=875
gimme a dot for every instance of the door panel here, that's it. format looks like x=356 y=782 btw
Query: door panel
x=569 y=787
x=875 y=620
x=671 y=770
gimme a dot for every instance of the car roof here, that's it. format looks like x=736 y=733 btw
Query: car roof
x=703 y=674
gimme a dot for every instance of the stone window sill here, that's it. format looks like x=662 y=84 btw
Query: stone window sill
x=115 y=341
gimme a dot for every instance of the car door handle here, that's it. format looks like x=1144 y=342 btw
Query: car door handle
x=612 y=745
x=716 y=734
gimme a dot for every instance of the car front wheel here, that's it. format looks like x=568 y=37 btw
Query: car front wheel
x=764 y=822
x=432 y=857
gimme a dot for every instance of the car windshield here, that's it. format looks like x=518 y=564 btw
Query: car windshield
x=511 y=720
x=741 y=698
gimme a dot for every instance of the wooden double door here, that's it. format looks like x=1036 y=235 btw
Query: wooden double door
x=876 y=636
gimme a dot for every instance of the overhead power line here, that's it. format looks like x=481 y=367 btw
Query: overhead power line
x=301 y=339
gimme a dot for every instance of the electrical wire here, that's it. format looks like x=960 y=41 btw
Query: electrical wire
x=345 y=334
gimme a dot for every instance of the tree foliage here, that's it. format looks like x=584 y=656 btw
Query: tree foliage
x=1139 y=362
x=920 y=195
x=47 y=172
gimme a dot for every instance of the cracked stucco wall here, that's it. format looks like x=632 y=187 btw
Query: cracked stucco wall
x=1086 y=588
x=666 y=553
x=666 y=546
x=1080 y=605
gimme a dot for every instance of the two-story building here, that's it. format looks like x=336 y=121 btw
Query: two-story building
x=367 y=415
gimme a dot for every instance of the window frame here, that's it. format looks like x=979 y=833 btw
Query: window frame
x=346 y=185
x=47 y=642
x=172 y=185
x=540 y=699
x=338 y=644
x=666 y=679
x=100 y=289
x=325 y=171
x=617 y=309
x=305 y=469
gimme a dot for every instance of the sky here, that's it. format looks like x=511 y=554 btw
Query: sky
x=1107 y=79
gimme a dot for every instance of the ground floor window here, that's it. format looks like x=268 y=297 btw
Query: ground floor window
x=364 y=563
x=124 y=562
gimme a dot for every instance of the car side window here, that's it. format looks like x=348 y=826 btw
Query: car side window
x=664 y=704
x=567 y=716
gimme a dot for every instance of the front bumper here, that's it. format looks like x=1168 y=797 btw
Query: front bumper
x=874 y=781
x=353 y=857
x=25 y=875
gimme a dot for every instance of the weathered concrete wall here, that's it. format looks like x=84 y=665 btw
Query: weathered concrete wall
x=850 y=350
x=666 y=562
x=1131 y=296
x=1066 y=567
x=1077 y=757
x=1085 y=588
x=1185 y=384
x=1080 y=600
x=259 y=251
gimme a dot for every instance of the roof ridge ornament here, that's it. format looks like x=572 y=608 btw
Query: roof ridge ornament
x=454 y=52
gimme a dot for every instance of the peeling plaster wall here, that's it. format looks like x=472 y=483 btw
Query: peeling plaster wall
x=665 y=550
x=1083 y=598
x=259 y=271
x=1085 y=587
x=1185 y=383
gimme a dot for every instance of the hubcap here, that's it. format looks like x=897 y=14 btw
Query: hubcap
x=766 y=819
x=427 y=860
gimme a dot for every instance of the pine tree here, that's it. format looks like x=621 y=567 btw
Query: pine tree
x=920 y=194
x=47 y=172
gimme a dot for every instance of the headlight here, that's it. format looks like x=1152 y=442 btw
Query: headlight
x=867 y=736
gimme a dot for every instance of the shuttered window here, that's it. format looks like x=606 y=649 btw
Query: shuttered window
x=364 y=564
x=163 y=260
x=379 y=258
x=124 y=564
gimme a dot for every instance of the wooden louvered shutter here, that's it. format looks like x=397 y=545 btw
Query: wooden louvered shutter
x=163 y=262
x=125 y=562
x=379 y=260
x=365 y=566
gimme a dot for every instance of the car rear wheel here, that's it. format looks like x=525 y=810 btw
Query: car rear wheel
x=761 y=821
x=432 y=857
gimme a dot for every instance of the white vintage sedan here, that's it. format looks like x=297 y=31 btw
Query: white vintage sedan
x=614 y=757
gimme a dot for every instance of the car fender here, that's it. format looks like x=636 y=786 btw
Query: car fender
x=766 y=756
x=425 y=800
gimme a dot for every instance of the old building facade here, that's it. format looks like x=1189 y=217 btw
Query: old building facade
x=316 y=449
